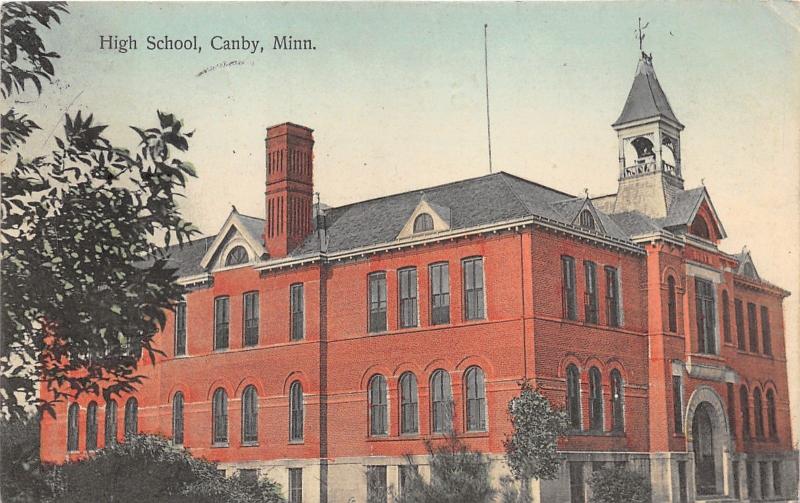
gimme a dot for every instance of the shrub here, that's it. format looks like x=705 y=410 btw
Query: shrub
x=617 y=484
x=149 y=468
x=458 y=475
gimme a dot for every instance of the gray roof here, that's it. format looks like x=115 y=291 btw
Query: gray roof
x=187 y=258
x=646 y=99
x=681 y=209
x=473 y=202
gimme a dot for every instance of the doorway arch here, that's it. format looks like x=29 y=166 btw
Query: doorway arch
x=709 y=441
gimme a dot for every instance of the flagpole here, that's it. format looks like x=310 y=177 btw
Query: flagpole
x=486 y=69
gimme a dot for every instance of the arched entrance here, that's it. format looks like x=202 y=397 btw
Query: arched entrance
x=709 y=442
x=704 y=449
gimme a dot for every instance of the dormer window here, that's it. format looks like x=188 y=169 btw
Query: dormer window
x=749 y=270
x=587 y=220
x=700 y=228
x=237 y=256
x=423 y=223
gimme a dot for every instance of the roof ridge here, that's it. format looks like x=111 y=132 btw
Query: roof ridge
x=516 y=196
x=535 y=183
x=454 y=182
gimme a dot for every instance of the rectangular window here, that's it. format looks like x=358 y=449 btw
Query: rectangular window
x=777 y=487
x=682 y=488
x=295 y=485
x=751 y=480
x=726 y=317
x=298 y=308
x=377 y=302
x=731 y=409
x=251 y=319
x=180 y=329
x=739 y=313
x=590 y=305
x=473 y=289
x=249 y=474
x=762 y=476
x=407 y=475
x=376 y=484
x=766 y=336
x=577 y=491
x=737 y=491
x=706 y=313
x=221 y=322
x=407 y=284
x=440 y=293
x=677 y=403
x=752 y=327
x=612 y=297
x=568 y=291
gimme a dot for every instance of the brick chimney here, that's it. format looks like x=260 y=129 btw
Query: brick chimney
x=290 y=187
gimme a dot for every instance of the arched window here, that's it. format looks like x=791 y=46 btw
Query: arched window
x=700 y=228
x=91 y=426
x=177 y=419
x=587 y=220
x=409 y=404
x=726 y=317
x=72 y=427
x=378 y=414
x=250 y=414
x=476 y=399
x=672 y=305
x=220 y=417
x=111 y=423
x=744 y=404
x=296 y=412
x=758 y=413
x=771 y=419
x=595 y=400
x=441 y=402
x=574 y=397
x=237 y=256
x=423 y=223
x=131 y=418
x=617 y=402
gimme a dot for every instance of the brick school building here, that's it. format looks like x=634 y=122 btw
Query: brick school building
x=320 y=345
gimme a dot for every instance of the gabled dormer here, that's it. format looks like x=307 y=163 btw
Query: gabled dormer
x=692 y=212
x=580 y=212
x=238 y=244
x=746 y=266
x=427 y=218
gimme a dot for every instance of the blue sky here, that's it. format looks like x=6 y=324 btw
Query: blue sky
x=395 y=95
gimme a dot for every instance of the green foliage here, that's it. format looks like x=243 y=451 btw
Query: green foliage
x=24 y=60
x=458 y=475
x=531 y=448
x=616 y=484
x=86 y=281
x=21 y=478
x=148 y=468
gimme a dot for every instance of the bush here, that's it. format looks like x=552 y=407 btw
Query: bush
x=21 y=478
x=617 y=484
x=149 y=468
x=458 y=475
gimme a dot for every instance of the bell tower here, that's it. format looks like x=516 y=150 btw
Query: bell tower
x=649 y=147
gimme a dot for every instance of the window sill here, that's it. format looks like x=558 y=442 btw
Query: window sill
x=595 y=433
x=220 y=445
x=296 y=442
x=252 y=443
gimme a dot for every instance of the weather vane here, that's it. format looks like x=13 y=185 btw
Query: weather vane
x=640 y=33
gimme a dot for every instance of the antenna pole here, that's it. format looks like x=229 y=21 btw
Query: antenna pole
x=486 y=68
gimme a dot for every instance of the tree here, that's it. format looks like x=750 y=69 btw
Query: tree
x=148 y=468
x=616 y=484
x=531 y=450
x=24 y=60
x=86 y=282
x=458 y=475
